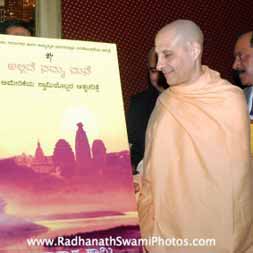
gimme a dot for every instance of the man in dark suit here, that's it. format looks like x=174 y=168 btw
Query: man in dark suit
x=141 y=106
x=243 y=64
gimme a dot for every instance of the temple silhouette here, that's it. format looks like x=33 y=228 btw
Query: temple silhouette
x=63 y=158
x=82 y=147
x=41 y=163
x=86 y=160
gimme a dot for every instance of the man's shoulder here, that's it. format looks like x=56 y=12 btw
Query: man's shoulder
x=225 y=88
x=234 y=99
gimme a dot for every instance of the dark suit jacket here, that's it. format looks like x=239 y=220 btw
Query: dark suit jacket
x=141 y=106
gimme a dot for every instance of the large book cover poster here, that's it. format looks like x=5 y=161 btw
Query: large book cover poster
x=251 y=137
x=64 y=158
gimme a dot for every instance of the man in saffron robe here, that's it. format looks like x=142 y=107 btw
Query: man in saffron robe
x=197 y=178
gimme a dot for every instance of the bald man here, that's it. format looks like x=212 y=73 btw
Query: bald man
x=197 y=179
x=243 y=64
x=16 y=27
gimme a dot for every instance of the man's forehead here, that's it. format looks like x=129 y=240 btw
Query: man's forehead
x=243 y=43
x=166 y=42
x=17 y=30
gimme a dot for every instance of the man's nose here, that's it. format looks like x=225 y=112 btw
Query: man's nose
x=237 y=64
x=159 y=64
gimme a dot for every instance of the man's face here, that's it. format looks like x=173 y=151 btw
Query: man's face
x=243 y=62
x=174 y=59
x=18 y=30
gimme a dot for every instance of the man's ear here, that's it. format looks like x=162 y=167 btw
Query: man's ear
x=195 y=49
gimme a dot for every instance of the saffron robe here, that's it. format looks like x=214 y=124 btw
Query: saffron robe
x=197 y=177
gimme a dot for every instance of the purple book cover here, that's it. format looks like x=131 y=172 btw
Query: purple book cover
x=65 y=174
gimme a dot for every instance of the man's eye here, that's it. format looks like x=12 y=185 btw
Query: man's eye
x=153 y=69
x=241 y=56
x=167 y=55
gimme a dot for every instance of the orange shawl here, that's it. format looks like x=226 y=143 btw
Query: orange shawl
x=197 y=178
